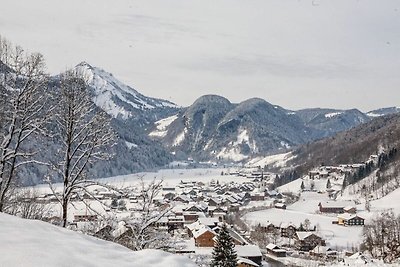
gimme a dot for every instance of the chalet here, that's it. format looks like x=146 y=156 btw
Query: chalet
x=280 y=206
x=201 y=223
x=350 y=209
x=273 y=194
x=275 y=250
x=348 y=219
x=169 y=196
x=215 y=202
x=243 y=262
x=168 y=189
x=323 y=251
x=306 y=241
x=268 y=226
x=213 y=210
x=237 y=238
x=196 y=208
x=204 y=237
x=333 y=206
x=230 y=200
x=287 y=229
x=210 y=222
x=257 y=196
x=234 y=207
x=176 y=222
x=182 y=198
x=250 y=252
x=162 y=222
x=190 y=216
x=104 y=233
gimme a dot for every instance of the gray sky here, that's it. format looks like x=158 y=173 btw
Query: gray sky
x=297 y=54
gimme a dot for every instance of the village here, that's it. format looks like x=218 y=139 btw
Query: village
x=264 y=223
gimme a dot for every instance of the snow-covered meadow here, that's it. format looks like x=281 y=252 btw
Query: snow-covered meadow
x=35 y=243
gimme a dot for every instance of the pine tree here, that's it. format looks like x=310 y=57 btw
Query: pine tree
x=224 y=254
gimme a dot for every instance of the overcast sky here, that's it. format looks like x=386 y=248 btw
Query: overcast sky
x=297 y=54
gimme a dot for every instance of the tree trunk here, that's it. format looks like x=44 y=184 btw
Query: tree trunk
x=64 y=212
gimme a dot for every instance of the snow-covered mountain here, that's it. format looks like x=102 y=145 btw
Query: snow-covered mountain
x=214 y=128
x=116 y=98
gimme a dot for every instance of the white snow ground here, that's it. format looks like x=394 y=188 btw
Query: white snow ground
x=26 y=243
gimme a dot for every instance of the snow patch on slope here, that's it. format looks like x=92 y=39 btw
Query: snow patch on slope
x=179 y=139
x=35 y=243
x=333 y=114
x=130 y=145
x=162 y=125
x=231 y=154
x=374 y=115
x=275 y=161
x=234 y=151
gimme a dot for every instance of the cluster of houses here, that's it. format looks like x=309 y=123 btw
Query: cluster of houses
x=191 y=201
x=204 y=232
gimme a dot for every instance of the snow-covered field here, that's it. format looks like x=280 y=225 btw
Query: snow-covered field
x=336 y=235
x=33 y=243
x=307 y=208
x=170 y=177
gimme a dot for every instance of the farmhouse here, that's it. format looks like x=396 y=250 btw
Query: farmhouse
x=306 y=241
x=322 y=251
x=334 y=206
x=250 y=252
x=275 y=250
x=204 y=237
x=350 y=219
x=243 y=262
x=287 y=229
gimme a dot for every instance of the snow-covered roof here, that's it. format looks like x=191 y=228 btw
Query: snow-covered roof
x=304 y=235
x=208 y=221
x=248 y=251
x=348 y=216
x=202 y=230
x=272 y=246
x=246 y=261
x=322 y=249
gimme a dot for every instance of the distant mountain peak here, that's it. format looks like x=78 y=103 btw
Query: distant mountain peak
x=114 y=97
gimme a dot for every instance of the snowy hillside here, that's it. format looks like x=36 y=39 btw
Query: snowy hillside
x=383 y=112
x=331 y=121
x=114 y=97
x=35 y=243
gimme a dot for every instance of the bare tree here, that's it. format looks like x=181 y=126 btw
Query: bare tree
x=382 y=235
x=143 y=230
x=85 y=134
x=24 y=110
x=24 y=203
